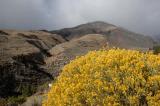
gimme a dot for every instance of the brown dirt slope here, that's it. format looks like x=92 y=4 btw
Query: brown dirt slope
x=63 y=53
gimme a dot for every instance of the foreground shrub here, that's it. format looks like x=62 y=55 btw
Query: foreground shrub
x=104 y=78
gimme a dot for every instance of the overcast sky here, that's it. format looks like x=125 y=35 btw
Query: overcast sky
x=141 y=16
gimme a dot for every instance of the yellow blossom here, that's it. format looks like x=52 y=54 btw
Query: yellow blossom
x=108 y=78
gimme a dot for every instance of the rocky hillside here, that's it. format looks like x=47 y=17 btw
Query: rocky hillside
x=63 y=53
x=22 y=55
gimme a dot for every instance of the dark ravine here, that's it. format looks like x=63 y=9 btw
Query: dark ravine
x=3 y=33
x=24 y=70
x=22 y=61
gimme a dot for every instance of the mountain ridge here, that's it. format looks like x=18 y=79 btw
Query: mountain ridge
x=110 y=31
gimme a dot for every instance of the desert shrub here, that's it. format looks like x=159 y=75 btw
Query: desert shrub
x=156 y=49
x=28 y=90
x=107 y=78
x=16 y=100
x=3 y=102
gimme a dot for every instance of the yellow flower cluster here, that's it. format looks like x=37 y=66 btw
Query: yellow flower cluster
x=108 y=78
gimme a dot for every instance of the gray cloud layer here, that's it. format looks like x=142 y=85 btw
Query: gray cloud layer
x=142 y=16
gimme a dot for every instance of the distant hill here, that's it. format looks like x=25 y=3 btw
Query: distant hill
x=116 y=36
x=157 y=38
x=93 y=36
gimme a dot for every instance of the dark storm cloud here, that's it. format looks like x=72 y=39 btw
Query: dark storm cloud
x=137 y=15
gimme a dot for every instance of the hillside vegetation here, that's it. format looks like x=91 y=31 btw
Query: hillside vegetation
x=106 y=78
x=156 y=49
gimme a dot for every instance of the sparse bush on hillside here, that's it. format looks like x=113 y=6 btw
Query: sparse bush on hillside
x=16 y=100
x=107 y=78
x=28 y=90
x=3 y=102
x=156 y=49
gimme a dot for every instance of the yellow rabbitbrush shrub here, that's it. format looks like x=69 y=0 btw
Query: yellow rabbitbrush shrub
x=107 y=78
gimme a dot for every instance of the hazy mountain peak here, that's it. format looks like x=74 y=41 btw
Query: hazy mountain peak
x=98 y=23
x=95 y=25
